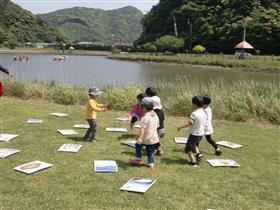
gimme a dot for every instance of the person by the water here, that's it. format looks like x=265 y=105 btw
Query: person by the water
x=6 y=71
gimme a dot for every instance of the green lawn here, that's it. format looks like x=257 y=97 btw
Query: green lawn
x=72 y=184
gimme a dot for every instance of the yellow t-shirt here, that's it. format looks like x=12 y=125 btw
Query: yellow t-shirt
x=92 y=108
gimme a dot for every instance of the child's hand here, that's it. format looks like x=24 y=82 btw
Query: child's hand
x=104 y=109
x=179 y=129
x=139 y=141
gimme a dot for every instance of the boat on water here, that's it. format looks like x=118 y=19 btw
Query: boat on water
x=62 y=58
x=21 y=58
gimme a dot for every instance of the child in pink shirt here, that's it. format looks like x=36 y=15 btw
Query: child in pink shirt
x=136 y=112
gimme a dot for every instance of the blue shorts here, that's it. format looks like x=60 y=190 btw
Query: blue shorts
x=192 y=142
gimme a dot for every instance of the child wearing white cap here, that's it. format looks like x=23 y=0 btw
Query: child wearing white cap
x=158 y=109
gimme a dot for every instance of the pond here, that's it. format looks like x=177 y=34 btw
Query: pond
x=98 y=70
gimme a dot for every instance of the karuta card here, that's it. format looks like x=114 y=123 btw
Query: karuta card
x=81 y=126
x=5 y=152
x=122 y=118
x=70 y=148
x=57 y=114
x=138 y=185
x=7 y=137
x=223 y=163
x=181 y=140
x=124 y=130
x=34 y=121
x=67 y=132
x=229 y=144
x=32 y=167
x=105 y=166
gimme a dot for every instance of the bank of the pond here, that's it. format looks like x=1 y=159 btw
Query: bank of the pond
x=54 y=52
x=243 y=101
x=269 y=64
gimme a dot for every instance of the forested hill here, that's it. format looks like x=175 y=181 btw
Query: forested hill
x=217 y=24
x=18 y=26
x=88 y=24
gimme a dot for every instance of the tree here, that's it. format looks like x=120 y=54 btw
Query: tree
x=169 y=43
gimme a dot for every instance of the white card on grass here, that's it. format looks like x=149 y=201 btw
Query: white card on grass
x=5 y=152
x=105 y=166
x=229 y=144
x=137 y=126
x=138 y=185
x=130 y=143
x=7 y=137
x=122 y=118
x=223 y=163
x=32 y=167
x=81 y=126
x=70 y=148
x=116 y=130
x=34 y=121
x=181 y=140
x=67 y=132
x=57 y=114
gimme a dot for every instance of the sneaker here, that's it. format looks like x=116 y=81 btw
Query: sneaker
x=198 y=158
x=150 y=166
x=200 y=155
x=93 y=141
x=159 y=152
x=137 y=162
x=218 y=152
x=193 y=164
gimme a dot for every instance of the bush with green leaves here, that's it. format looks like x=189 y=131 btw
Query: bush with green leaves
x=149 y=47
x=169 y=43
x=198 y=49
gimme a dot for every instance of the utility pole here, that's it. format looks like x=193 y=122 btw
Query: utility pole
x=175 y=26
x=244 y=31
x=190 y=35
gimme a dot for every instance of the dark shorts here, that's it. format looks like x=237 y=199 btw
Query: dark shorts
x=192 y=142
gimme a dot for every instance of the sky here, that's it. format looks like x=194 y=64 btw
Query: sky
x=45 y=6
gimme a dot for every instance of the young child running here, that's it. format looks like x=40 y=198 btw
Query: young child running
x=136 y=112
x=197 y=123
x=158 y=109
x=209 y=128
x=148 y=134
x=91 y=113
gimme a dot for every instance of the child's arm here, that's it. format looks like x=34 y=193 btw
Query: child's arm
x=95 y=106
x=141 y=136
x=188 y=124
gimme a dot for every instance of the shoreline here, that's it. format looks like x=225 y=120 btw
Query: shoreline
x=54 y=52
x=198 y=66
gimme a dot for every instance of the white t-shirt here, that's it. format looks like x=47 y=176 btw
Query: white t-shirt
x=150 y=122
x=157 y=102
x=199 y=121
x=209 y=127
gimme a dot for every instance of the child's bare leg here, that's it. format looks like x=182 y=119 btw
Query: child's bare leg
x=191 y=156
x=196 y=150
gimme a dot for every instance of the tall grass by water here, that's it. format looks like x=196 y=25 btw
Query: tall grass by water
x=242 y=101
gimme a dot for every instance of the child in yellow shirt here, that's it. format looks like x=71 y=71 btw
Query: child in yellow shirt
x=91 y=113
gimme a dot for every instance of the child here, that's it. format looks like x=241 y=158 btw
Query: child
x=136 y=112
x=148 y=134
x=197 y=124
x=91 y=109
x=6 y=71
x=209 y=127
x=151 y=92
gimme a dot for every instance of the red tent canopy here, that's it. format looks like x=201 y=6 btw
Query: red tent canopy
x=244 y=45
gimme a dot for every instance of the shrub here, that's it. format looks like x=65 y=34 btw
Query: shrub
x=149 y=47
x=169 y=43
x=198 y=49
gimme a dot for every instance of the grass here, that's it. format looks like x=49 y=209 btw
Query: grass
x=241 y=101
x=72 y=184
x=252 y=63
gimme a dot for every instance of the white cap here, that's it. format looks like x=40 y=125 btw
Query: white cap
x=157 y=102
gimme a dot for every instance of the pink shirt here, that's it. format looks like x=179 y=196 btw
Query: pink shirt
x=136 y=110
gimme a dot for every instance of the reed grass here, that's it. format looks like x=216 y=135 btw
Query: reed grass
x=242 y=101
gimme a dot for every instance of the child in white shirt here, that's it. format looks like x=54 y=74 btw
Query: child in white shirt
x=197 y=124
